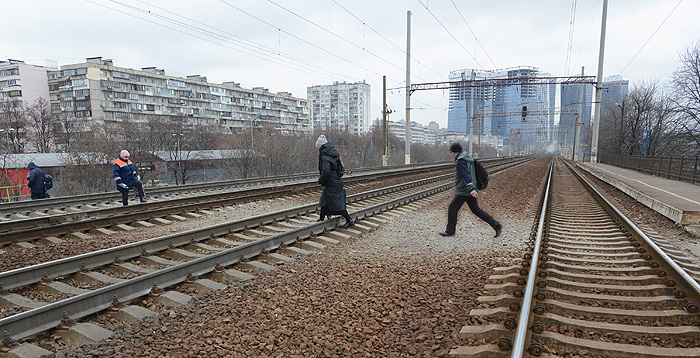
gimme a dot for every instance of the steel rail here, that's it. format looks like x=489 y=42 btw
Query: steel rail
x=59 y=224
x=49 y=316
x=33 y=274
x=54 y=225
x=691 y=285
x=521 y=330
x=67 y=201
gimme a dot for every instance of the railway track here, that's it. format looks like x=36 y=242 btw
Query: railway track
x=31 y=208
x=83 y=285
x=594 y=285
x=60 y=221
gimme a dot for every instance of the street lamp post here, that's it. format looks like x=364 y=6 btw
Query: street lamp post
x=622 y=121
x=251 y=129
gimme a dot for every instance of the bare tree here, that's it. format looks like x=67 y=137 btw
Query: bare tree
x=89 y=163
x=13 y=122
x=648 y=121
x=686 y=94
x=245 y=163
x=285 y=154
x=66 y=130
x=41 y=125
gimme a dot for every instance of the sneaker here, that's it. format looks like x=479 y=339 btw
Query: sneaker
x=446 y=234
x=143 y=200
x=348 y=224
x=498 y=228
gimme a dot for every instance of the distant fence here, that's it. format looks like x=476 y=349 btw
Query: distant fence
x=684 y=169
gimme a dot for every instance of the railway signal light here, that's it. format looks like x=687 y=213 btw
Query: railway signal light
x=524 y=113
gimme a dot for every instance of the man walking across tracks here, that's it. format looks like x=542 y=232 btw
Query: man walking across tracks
x=465 y=191
x=126 y=178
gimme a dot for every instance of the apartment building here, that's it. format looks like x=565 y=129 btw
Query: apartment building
x=22 y=81
x=419 y=133
x=341 y=106
x=97 y=91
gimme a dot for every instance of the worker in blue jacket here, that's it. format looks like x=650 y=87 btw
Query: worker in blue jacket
x=126 y=178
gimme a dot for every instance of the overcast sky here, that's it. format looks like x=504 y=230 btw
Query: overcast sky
x=285 y=45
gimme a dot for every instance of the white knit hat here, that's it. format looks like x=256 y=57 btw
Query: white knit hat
x=124 y=153
x=321 y=141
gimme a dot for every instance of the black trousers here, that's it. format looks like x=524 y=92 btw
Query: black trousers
x=344 y=213
x=43 y=195
x=473 y=203
x=136 y=184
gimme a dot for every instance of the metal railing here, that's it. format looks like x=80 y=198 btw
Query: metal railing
x=11 y=193
x=679 y=168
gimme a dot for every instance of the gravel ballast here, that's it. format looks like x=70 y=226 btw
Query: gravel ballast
x=398 y=291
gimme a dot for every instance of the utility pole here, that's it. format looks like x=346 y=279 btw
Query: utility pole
x=498 y=135
x=598 y=86
x=385 y=129
x=408 y=89
x=577 y=127
x=478 y=145
x=471 y=114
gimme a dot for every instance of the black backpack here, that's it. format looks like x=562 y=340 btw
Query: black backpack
x=482 y=177
x=341 y=167
x=48 y=182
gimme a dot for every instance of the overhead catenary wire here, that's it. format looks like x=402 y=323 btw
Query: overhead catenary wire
x=453 y=36
x=382 y=36
x=202 y=33
x=652 y=35
x=190 y=27
x=596 y=5
x=420 y=26
x=473 y=34
x=301 y=39
x=227 y=36
x=583 y=43
x=572 y=20
x=334 y=34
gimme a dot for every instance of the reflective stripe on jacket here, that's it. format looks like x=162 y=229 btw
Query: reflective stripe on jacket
x=123 y=172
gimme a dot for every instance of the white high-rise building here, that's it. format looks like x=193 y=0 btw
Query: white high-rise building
x=340 y=106
x=22 y=81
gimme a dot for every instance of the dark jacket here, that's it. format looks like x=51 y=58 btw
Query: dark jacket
x=465 y=178
x=123 y=172
x=36 y=178
x=333 y=196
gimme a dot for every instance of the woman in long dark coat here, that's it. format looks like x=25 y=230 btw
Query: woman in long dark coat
x=333 y=197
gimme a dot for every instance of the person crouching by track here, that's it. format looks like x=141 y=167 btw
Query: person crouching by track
x=465 y=191
x=330 y=168
x=126 y=178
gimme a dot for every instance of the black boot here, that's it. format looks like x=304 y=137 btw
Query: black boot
x=348 y=224
x=498 y=229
